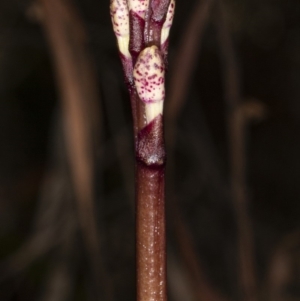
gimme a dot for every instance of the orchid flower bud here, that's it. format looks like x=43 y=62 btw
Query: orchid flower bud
x=120 y=20
x=139 y=7
x=149 y=74
x=168 y=23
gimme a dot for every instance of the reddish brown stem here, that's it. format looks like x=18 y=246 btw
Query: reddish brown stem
x=150 y=234
x=150 y=213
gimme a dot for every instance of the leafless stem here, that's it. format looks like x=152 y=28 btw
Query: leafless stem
x=150 y=216
x=151 y=250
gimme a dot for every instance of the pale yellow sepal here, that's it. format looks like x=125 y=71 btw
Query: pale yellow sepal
x=120 y=19
x=168 y=23
x=149 y=79
x=153 y=110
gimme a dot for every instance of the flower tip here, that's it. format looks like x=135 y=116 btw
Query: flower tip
x=139 y=7
x=168 y=22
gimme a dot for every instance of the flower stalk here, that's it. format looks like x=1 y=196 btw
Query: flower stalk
x=142 y=30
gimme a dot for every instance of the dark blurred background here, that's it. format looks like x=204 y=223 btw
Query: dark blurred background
x=37 y=199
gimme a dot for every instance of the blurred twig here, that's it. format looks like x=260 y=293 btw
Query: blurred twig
x=57 y=199
x=51 y=217
x=201 y=287
x=179 y=284
x=61 y=277
x=116 y=121
x=179 y=83
x=36 y=246
x=237 y=138
x=184 y=63
x=282 y=278
x=75 y=77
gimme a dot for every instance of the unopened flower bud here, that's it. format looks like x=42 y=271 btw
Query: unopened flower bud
x=120 y=20
x=149 y=77
x=168 y=22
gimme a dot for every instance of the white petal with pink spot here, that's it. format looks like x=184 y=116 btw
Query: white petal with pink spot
x=120 y=20
x=149 y=77
x=168 y=22
x=148 y=74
